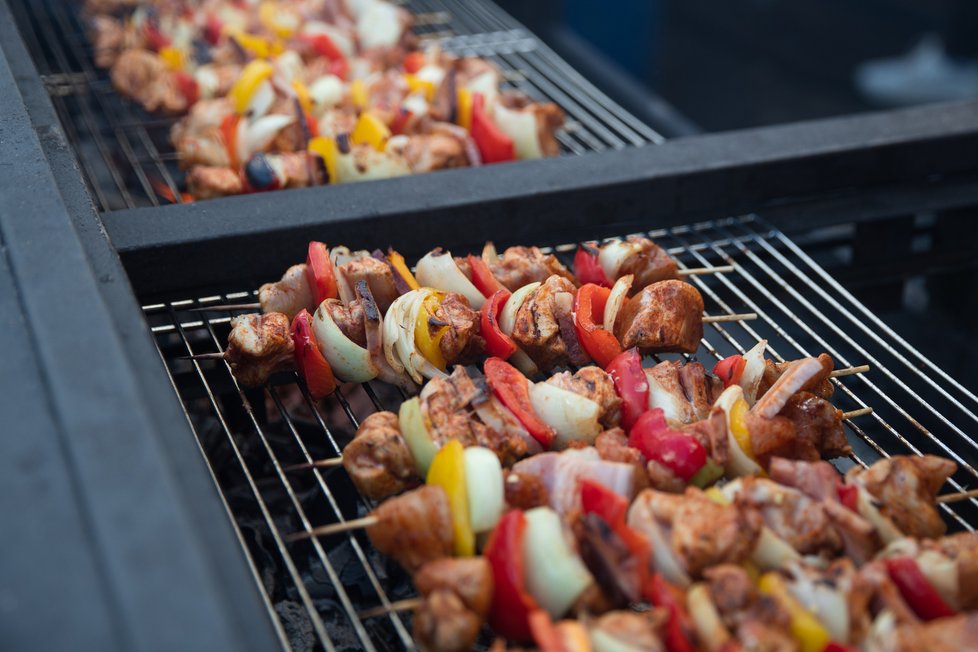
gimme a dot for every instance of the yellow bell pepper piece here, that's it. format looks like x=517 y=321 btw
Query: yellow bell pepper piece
x=805 y=628
x=253 y=75
x=465 y=108
x=370 y=130
x=416 y=84
x=327 y=150
x=174 y=58
x=738 y=427
x=358 y=94
x=258 y=46
x=275 y=19
x=302 y=92
x=447 y=471
x=717 y=496
x=397 y=262
x=428 y=342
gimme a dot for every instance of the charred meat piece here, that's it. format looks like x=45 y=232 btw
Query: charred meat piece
x=259 y=346
x=684 y=391
x=414 y=528
x=289 y=295
x=461 y=343
x=442 y=623
x=612 y=445
x=538 y=329
x=350 y=319
x=609 y=559
x=446 y=404
x=711 y=432
x=649 y=263
x=524 y=490
x=206 y=182
x=796 y=376
x=377 y=275
x=519 y=266
x=819 y=427
x=819 y=383
x=595 y=384
x=629 y=629
x=378 y=459
x=144 y=76
x=663 y=317
x=468 y=578
x=907 y=487
x=435 y=151
x=757 y=621
x=197 y=137
x=793 y=516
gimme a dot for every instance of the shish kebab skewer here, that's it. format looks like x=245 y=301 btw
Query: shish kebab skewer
x=388 y=275
x=766 y=519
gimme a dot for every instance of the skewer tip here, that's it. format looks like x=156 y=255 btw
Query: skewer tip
x=326 y=463
x=408 y=604
x=333 y=528
x=857 y=413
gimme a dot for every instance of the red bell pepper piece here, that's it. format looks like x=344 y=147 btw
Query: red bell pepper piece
x=600 y=344
x=187 y=86
x=320 y=273
x=598 y=499
x=400 y=121
x=309 y=360
x=916 y=589
x=155 y=39
x=848 y=495
x=494 y=146
x=832 y=646
x=482 y=277
x=678 y=451
x=509 y=614
x=631 y=384
x=326 y=48
x=513 y=389
x=545 y=634
x=213 y=27
x=587 y=269
x=229 y=133
x=311 y=124
x=678 y=625
x=413 y=62
x=498 y=343
x=730 y=370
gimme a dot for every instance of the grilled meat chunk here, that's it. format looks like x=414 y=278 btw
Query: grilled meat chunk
x=469 y=578
x=350 y=318
x=197 y=137
x=524 y=490
x=206 y=182
x=519 y=266
x=436 y=150
x=944 y=635
x=629 y=630
x=612 y=445
x=649 y=264
x=663 y=317
x=758 y=621
x=595 y=384
x=414 y=528
x=144 y=76
x=819 y=429
x=259 y=346
x=290 y=295
x=378 y=459
x=711 y=432
x=793 y=516
x=442 y=623
x=684 y=391
x=538 y=324
x=461 y=343
x=907 y=486
x=818 y=384
x=377 y=275
x=562 y=473
x=446 y=404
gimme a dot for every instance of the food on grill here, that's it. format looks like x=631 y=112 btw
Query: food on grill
x=259 y=346
x=456 y=595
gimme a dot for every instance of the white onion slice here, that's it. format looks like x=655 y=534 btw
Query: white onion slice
x=612 y=255
x=326 y=92
x=602 y=641
x=617 y=298
x=415 y=364
x=392 y=331
x=262 y=100
x=507 y=319
x=753 y=371
x=826 y=602
x=674 y=406
x=555 y=575
x=709 y=627
x=439 y=270
x=664 y=560
x=260 y=133
x=486 y=84
x=573 y=417
x=379 y=26
x=887 y=530
x=739 y=464
x=374 y=327
x=521 y=127
x=350 y=362
x=771 y=551
x=524 y=363
x=416 y=435
x=484 y=488
x=489 y=254
x=942 y=573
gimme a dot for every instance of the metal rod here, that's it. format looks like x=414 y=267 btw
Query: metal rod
x=714 y=319
x=958 y=497
x=407 y=604
x=327 y=463
x=850 y=371
x=335 y=528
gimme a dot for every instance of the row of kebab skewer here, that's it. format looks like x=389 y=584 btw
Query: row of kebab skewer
x=613 y=507
x=293 y=93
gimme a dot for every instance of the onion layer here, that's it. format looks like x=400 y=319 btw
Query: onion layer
x=350 y=362
x=416 y=435
x=521 y=127
x=438 y=270
x=617 y=298
x=754 y=365
x=555 y=575
x=739 y=464
x=612 y=255
x=572 y=416
x=484 y=488
x=709 y=627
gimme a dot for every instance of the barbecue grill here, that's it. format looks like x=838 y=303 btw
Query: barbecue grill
x=166 y=486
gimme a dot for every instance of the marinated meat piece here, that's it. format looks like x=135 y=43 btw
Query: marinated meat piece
x=519 y=266
x=461 y=343
x=609 y=559
x=290 y=295
x=872 y=592
x=700 y=388
x=446 y=404
x=711 y=432
x=414 y=528
x=797 y=375
x=758 y=621
x=350 y=319
x=793 y=516
x=144 y=76
x=859 y=538
x=819 y=384
x=548 y=116
x=650 y=264
x=700 y=532
x=435 y=151
x=663 y=317
x=378 y=459
x=537 y=330
x=524 y=491
x=562 y=473
x=662 y=478
x=951 y=562
x=944 y=635
x=259 y=346
x=377 y=275
x=629 y=629
x=818 y=425
x=205 y=182
x=442 y=623
x=683 y=391
x=593 y=383
x=816 y=480
x=731 y=588
x=907 y=486
x=468 y=578
x=612 y=445
x=197 y=137
x=774 y=437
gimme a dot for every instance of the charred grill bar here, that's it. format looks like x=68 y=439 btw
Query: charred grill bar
x=165 y=483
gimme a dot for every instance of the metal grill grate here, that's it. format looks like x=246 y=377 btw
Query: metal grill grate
x=316 y=588
x=124 y=151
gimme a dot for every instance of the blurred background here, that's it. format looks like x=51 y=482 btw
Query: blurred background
x=693 y=66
